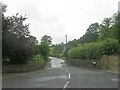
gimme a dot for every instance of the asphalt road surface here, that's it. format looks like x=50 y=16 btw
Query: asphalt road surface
x=59 y=75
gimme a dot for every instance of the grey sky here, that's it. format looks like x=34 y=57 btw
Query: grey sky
x=59 y=17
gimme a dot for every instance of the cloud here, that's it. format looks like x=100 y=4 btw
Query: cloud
x=60 y=17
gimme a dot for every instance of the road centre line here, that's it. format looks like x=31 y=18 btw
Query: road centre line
x=69 y=76
x=66 y=85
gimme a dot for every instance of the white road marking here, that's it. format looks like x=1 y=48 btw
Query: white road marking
x=67 y=81
x=69 y=76
x=66 y=85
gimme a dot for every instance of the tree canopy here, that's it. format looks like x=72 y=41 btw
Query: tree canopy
x=105 y=32
x=3 y=7
x=46 y=40
x=16 y=43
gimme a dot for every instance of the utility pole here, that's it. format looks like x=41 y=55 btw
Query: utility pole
x=66 y=45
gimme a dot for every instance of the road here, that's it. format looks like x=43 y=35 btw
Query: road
x=59 y=75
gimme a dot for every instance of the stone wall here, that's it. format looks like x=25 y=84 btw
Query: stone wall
x=22 y=68
x=110 y=63
x=85 y=63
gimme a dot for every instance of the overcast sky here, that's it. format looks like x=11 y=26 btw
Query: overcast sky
x=59 y=17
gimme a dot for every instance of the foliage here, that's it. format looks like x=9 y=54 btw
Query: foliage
x=57 y=50
x=37 y=59
x=72 y=44
x=18 y=46
x=16 y=40
x=2 y=7
x=111 y=46
x=53 y=52
x=46 y=40
x=91 y=34
x=94 y=50
x=99 y=39
x=42 y=50
x=109 y=27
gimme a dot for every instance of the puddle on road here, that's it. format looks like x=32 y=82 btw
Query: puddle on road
x=62 y=77
x=115 y=80
x=39 y=85
x=56 y=63
x=50 y=78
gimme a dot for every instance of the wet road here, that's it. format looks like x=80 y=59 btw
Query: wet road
x=58 y=75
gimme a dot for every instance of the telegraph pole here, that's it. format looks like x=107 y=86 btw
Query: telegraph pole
x=66 y=45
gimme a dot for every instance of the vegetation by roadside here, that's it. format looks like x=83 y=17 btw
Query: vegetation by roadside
x=99 y=40
x=94 y=50
x=19 y=47
x=108 y=63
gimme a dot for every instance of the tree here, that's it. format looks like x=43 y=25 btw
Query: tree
x=91 y=34
x=2 y=7
x=110 y=27
x=57 y=49
x=46 y=40
x=33 y=41
x=105 y=28
x=53 y=52
x=93 y=28
x=44 y=51
x=115 y=27
x=16 y=44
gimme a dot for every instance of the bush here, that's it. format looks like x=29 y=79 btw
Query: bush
x=42 y=50
x=37 y=59
x=110 y=47
x=94 y=50
x=16 y=40
x=19 y=56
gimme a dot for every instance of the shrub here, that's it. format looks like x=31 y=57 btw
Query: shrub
x=94 y=50
x=37 y=59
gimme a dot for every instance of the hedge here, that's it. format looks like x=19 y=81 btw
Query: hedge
x=95 y=50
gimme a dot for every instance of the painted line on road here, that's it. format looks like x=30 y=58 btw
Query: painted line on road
x=66 y=85
x=69 y=76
